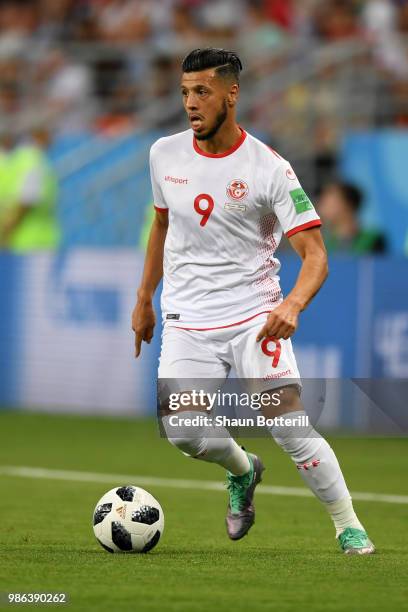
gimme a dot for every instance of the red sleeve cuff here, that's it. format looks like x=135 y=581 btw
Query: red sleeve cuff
x=304 y=226
x=161 y=210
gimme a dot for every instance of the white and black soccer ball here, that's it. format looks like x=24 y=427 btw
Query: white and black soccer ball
x=128 y=519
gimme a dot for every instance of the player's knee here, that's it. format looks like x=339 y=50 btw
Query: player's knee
x=301 y=449
x=189 y=446
x=190 y=440
x=300 y=442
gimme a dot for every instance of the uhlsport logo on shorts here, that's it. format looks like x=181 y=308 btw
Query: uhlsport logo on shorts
x=237 y=189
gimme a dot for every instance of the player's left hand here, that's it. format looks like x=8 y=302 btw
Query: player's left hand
x=282 y=322
x=143 y=323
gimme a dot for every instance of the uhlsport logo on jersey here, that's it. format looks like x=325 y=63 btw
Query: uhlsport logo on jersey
x=237 y=189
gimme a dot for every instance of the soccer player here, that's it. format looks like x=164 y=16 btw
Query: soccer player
x=223 y=200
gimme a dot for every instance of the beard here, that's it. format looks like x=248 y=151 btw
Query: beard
x=219 y=120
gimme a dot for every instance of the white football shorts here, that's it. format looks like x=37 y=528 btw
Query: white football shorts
x=211 y=354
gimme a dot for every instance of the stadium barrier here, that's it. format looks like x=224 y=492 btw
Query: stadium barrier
x=66 y=342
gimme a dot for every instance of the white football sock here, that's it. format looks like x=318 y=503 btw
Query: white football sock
x=343 y=515
x=319 y=468
x=227 y=453
x=214 y=445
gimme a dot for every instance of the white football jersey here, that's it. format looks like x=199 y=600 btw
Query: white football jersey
x=227 y=213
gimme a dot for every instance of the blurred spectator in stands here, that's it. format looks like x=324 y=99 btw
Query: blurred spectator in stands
x=67 y=89
x=164 y=77
x=400 y=87
x=122 y=20
x=18 y=17
x=120 y=116
x=10 y=89
x=183 y=33
x=28 y=196
x=183 y=24
x=280 y=12
x=164 y=81
x=403 y=17
x=378 y=18
x=221 y=18
x=337 y=20
x=382 y=23
x=339 y=206
x=260 y=37
x=63 y=20
x=301 y=18
x=161 y=20
x=14 y=47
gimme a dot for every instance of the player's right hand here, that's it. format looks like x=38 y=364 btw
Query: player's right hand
x=143 y=322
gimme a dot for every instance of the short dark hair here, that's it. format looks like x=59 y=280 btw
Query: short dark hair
x=226 y=63
x=351 y=194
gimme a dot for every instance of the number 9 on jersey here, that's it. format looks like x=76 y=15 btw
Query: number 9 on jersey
x=204 y=212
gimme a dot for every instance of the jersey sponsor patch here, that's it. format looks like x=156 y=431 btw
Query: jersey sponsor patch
x=173 y=317
x=234 y=206
x=300 y=200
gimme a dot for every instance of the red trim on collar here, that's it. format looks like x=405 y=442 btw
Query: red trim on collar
x=226 y=153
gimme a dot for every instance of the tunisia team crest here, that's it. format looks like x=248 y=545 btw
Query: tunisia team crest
x=237 y=189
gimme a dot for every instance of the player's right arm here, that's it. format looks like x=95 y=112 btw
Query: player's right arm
x=143 y=317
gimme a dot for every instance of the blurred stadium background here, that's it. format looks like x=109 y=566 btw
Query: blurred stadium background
x=87 y=85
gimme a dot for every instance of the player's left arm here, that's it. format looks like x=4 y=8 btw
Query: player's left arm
x=282 y=322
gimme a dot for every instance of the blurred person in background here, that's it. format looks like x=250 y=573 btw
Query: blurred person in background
x=10 y=99
x=222 y=19
x=339 y=207
x=28 y=195
x=63 y=21
x=400 y=84
x=162 y=79
x=183 y=31
x=12 y=87
x=280 y=12
x=120 y=117
x=260 y=37
x=337 y=20
x=18 y=18
x=67 y=87
x=121 y=21
x=383 y=23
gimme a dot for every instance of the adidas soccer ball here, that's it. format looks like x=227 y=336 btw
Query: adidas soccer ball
x=128 y=519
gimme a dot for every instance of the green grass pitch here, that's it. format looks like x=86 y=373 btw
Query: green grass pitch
x=290 y=560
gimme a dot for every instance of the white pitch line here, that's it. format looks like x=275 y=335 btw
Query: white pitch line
x=177 y=483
